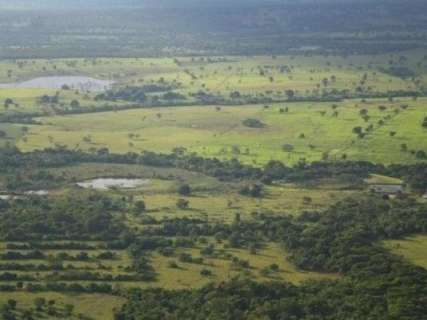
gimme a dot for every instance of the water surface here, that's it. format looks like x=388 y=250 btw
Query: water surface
x=108 y=183
x=57 y=82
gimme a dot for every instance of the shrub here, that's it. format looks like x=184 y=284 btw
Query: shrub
x=253 y=123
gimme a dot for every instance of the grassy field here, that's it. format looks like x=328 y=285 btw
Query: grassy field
x=162 y=180
x=413 y=249
x=94 y=306
x=13 y=134
x=218 y=201
x=187 y=275
x=310 y=128
x=380 y=179
x=222 y=206
x=255 y=75
x=268 y=263
x=314 y=130
x=210 y=198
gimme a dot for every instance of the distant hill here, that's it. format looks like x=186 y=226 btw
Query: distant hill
x=105 y=4
x=65 y=4
x=94 y=4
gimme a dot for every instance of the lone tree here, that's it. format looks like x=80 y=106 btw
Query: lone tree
x=75 y=104
x=358 y=130
x=68 y=308
x=8 y=102
x=253 y=123
x=39 y=303
x=184 y=190
x=290 y=94
x=288 y=147
x=363 y=112
x=139 y=207
x=254 y=190
x=182 y=204
x=12 y=304
x=420 y=154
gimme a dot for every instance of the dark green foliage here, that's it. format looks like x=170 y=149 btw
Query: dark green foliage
x=132 y=94
x=253 y=123
x=399 y=71
x=182 y=204
x=254 y=190
x=342 y=239
x=70 y=217
x=139 y=207
x=45 y=99
x=12 y=160
x=171 y=96
x=184 y=190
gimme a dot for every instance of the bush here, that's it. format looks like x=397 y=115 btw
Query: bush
x=253 y=123
x=206 y=272
x=182 y=204
x=184 y=190
x=254 y=190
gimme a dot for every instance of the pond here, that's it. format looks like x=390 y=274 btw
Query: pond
x=18 y=195
x=37 y=193
x=57 y=82
x=107 y=183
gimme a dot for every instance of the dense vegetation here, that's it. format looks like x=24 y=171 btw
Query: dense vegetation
x=68 y=218
x=343 y=239
x=11 y=160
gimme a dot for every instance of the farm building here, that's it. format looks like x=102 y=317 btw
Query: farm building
x=387 y=188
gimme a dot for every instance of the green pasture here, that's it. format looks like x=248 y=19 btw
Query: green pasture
x=258 y=76
x=160 y=180
x=187 y=275
x=223 y=206
x=249 y=75
x=380 y=179
x=312 y=129
x=413 y=249
x=94 y=306
x=210 y=198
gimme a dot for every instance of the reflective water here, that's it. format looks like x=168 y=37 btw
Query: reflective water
x=107 y=183
x=57 y=82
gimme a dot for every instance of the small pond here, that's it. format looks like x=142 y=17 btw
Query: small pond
x=8 y=196
x=107 y=183
x=57 y=82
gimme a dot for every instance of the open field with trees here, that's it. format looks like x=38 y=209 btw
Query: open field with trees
x=51 y=305
x=312 y=108
x=307 y=131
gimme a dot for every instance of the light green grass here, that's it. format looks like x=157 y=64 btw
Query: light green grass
x=222 y=206
x=256 y=76
x=188 y=274
x=414 y=249
x=96 y=306
x=161 y=180
x=213 y=133
x=234 y=74
x=380 y=179
x=13 y=133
